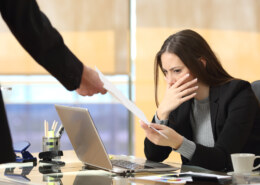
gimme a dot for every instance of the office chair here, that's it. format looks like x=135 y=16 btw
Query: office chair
x=256 y=88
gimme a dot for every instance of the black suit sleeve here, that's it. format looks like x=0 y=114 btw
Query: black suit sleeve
x=35 y=33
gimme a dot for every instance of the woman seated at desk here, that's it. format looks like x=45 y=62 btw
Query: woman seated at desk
x=206 y=113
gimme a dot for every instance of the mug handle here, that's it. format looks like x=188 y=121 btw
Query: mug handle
x=256 y=157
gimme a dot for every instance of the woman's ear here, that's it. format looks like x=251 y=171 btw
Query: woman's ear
x=203 y=61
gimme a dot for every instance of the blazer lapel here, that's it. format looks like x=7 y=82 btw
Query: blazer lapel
x=183 y=120
x=214 y=97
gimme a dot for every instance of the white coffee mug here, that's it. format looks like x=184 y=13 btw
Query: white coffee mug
x=244 y=162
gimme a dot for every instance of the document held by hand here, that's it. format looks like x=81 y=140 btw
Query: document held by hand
x=125 y=101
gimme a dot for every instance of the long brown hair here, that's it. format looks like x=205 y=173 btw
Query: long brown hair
x=191 y=47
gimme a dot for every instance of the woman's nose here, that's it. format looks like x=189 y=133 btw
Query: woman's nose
x=170 y=80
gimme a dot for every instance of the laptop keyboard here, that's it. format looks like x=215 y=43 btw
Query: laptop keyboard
x=128 y=164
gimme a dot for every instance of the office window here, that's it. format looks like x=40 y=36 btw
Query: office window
x=32 y=99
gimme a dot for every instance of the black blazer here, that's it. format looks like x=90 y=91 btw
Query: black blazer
x=235 y=119
x=35 y=33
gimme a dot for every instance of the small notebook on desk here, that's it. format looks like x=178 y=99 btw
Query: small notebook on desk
x=90 y=149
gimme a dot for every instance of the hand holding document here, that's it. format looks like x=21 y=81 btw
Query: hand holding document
x=126 y=102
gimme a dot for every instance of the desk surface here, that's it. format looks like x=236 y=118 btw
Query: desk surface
x=74 y=173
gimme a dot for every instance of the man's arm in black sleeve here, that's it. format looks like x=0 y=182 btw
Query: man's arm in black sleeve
x=35 y=33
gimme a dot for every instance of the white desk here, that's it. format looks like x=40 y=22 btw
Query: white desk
x=72 y=173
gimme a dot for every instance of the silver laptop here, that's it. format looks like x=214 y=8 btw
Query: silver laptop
x=89 y=147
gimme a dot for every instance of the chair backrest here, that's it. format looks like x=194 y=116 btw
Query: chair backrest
x=256 y=88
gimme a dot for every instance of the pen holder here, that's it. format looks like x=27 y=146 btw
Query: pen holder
x=51 y=152
x=50 y=144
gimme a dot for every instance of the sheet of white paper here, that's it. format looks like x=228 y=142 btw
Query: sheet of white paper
x=125 y=101
x=206 y=175
x=171 y=180
x=181 y=178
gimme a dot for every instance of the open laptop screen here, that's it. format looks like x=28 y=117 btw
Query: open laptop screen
x=84 y=136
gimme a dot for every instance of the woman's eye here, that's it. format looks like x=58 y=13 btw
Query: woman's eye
x=177 y=70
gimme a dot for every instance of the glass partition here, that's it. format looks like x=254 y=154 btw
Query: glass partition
x=32 y=99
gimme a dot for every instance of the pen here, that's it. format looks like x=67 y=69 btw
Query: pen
x=54 y=125
x=46 y=128
x=60 y=131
